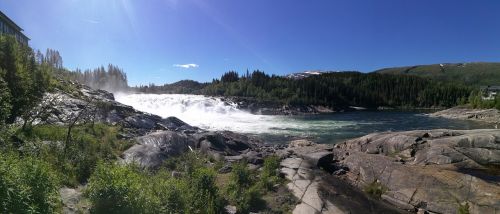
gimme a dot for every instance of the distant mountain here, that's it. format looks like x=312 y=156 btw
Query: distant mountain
x=305 y=74
x=472 y=74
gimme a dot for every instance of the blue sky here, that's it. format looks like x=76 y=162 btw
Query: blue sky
x=163 y=41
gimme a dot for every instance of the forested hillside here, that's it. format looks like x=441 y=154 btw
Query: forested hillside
x=341 y=89
x=472 y=74
x=180 y=87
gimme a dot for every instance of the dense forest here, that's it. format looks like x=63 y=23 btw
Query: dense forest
x=180 y=87
x=341 y=89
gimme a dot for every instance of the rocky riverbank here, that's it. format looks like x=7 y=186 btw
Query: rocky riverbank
x=275 y=108
x=429 y=171
x=437 y=171
x=466 y=113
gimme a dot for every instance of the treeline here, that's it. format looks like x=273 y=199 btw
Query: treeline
x=24 y=77
x=476 y=100
x=112 y=79
x=180 y=87
x=341 y=89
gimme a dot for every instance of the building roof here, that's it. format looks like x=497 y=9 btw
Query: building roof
x=10 y=22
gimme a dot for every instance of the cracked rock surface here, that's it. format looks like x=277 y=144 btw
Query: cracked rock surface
x=318 y=191
x=431 y=170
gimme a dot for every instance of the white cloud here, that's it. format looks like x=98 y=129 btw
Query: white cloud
x=91 y=21
x=186 y=66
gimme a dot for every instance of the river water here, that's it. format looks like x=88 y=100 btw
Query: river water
x=214 y=114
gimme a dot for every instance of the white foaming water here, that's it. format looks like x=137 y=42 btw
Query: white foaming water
x=214 y=114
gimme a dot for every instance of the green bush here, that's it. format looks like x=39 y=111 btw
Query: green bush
x=27 y=186
x=170 y=194
x=242 y=190
x=463 y=208
x=126 y=189
x=269 y=175
x=375 y=189
x=118 y=189
x=204 y=195
x=76 y=159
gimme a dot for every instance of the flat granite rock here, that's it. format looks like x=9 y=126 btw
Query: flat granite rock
x=433 y=170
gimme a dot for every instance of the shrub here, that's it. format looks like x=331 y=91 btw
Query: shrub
x=241 y=190
x=170 y=194
x=126 y=189
x=118 y=189
x=375 y=189
x=27 y=186
x=204 y=195
x=463 y=208
x=77 y=159
x=270 y=176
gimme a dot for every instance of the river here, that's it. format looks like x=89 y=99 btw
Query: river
x=214 y=114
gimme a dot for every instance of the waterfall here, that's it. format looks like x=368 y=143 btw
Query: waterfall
x=205 y=112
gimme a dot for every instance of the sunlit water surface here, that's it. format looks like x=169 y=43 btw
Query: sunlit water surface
x=214 y=114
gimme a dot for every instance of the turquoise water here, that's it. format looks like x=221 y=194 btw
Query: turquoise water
x=337 y=127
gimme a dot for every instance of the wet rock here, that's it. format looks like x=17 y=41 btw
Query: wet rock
x=140 y=121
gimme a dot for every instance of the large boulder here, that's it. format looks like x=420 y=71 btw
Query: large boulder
x=434 y=170
x=152 y=149
x=225 y=143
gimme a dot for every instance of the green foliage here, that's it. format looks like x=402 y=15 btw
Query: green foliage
x=118 y=189
x=111 y=79
x=77 y=160
x=203 y=194
x=231 y=76
x=27 y=185
x=5 y=100
x=180 y=87
x=476 y=101
x=23 y=79
x=126 y=189
x=269 y=175
x=471 y=74
x=186 y=163
x=342 y=89
x=463 y=208
x=375 y=189
x=242 y=190
x=170 y=194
